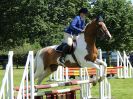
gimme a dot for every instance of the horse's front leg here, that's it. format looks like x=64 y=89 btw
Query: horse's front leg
x=91 y=64
x=102 y=71
x=100 y=75
x=101 y=62
x=97 y=64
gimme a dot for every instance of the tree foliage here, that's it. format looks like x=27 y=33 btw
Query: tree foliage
x=32 y=21
x=44 y=21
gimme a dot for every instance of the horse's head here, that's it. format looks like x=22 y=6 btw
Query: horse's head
x=97 y=28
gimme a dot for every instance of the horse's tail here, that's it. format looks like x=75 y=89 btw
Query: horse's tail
x=36 y=60
x=35 y=64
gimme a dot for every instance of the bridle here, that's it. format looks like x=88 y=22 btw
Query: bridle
x=100 y=31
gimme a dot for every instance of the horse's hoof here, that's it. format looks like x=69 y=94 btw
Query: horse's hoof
x=94 y=83
x=101 y=79
x=36 y=90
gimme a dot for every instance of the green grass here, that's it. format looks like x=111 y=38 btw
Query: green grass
x=17 y=75
x=120 y=88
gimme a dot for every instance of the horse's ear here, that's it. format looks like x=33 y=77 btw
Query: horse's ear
x=100 y=17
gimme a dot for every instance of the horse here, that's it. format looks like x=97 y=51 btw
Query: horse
x=46 y=59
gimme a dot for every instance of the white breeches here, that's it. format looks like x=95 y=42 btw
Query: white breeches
x=68 y=38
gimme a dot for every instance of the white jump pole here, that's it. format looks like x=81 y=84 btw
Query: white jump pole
x=32 y=90
x=21 y=92
x=104 y=88
x=66 y=74
x=101 y=89
x=85 y=92
x=6 y=90
x=128 y=67
x=125 y=67
x=10 y=75
x=120 y=62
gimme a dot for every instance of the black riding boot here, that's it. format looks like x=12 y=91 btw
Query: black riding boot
x=64 y=48
x=62 y=58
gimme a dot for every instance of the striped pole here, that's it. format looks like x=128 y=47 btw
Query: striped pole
x=74 y=82
x=54 y=92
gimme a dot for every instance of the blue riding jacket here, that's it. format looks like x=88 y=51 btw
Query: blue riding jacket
x=76 y=26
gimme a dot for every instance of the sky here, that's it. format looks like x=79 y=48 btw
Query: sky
x=132 y=1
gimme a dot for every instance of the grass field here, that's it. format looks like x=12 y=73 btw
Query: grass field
x=120 y=88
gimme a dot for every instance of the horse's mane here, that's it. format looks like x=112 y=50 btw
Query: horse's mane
x=90 y=23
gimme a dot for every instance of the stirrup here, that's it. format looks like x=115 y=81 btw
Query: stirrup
x=61 y=61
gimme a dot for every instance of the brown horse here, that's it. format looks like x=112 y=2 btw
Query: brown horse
x=46 y=60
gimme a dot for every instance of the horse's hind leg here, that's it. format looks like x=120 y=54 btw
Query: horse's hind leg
x=53 y=67
x=40 y=79
x=49 y=70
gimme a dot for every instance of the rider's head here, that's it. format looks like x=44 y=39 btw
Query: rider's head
x=83 y=12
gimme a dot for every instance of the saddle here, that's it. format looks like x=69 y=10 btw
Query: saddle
x=65 y=48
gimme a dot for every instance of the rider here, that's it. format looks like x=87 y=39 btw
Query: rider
x=75 y=28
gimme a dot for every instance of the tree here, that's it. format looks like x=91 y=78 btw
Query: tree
x=44 y=21
x=35 y=20
x=9 y=28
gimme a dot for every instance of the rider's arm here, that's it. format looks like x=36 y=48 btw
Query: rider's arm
x=73 y=24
